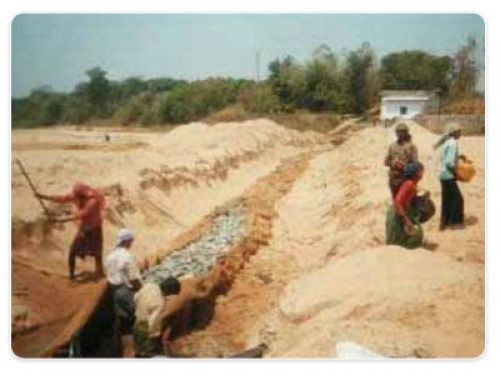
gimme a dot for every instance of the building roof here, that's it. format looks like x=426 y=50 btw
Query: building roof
x=407 y=94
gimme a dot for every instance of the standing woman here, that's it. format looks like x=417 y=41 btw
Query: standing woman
x=452 y=202
x=399 y=154
x=88 y=240
x=402 y=221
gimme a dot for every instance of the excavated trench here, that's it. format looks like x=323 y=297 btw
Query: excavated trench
x=199 y=257
x=207 y=260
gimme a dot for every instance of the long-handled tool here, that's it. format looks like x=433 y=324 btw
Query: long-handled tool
x=32 y=186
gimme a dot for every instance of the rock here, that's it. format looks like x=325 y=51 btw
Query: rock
x=200 y=256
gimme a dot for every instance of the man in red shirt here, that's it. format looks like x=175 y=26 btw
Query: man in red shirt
x=88 y=239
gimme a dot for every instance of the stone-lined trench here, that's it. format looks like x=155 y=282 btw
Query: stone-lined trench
x=199 y=257
x=194 y=260
x=207 y=261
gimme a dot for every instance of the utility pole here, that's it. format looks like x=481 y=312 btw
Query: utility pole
x=257 y=65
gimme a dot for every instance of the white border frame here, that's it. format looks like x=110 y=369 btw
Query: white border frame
x=489 y=10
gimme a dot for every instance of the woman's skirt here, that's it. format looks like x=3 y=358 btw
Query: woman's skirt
x=395 y=230
x=88 y=242
x=452 y=203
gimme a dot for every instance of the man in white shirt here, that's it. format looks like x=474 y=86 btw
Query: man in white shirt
x=149 y=317
x=122 y=272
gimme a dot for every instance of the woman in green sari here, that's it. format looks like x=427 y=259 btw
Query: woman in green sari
x=402 y=222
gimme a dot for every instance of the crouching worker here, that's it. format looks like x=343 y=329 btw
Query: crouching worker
x=123 y=274
x=150 y=329
x=402 y=221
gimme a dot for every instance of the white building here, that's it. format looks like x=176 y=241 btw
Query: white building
x=406 y=104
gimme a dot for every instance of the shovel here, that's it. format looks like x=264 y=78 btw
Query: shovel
x=33 y=188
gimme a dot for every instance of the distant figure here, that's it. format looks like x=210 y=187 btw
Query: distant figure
x=123 y=275
x=107 y=138
x=88 y=239
x=402 y=221
x=452 y=202
x=400 y=153
x=149 y=327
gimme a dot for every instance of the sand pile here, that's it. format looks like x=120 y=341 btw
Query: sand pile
x=159 y=184
x=327 y=276
x=398 y=302
x=323 y=275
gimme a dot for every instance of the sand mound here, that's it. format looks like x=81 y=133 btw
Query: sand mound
x=324 y=276
x=347 y=286
x=327 y=276
x=370 y=277
x=148 y=188
x=158 y=184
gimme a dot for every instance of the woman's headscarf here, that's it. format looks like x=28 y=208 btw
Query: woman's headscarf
x=83 y=190
x=451 y=128
x=402 y=127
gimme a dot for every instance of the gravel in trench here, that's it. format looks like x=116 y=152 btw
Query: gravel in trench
x=198 y=257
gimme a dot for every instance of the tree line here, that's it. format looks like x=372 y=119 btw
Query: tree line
x=340 y=83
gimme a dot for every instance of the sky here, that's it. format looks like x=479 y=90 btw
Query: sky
x=57 y=49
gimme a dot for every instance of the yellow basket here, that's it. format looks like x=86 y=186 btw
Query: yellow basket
x=465 y=170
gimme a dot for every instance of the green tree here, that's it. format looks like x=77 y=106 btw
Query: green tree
x=43 y=107
x=77 y=110
x=361 y=79
x=97 y=91
x=259 y=99
x=465 y=73
x=123 y=90
x=287 y=81
x=157 y=85
x=197 y=99
x=416 y=70
x=137 y=110
x=322 y=89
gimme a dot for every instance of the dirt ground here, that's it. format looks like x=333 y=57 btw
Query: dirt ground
x=325 y=275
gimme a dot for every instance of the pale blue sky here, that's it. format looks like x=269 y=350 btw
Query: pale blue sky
x=56 y=50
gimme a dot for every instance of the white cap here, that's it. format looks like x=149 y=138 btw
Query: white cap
x=124 y=235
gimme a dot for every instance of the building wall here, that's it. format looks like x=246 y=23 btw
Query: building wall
x=471 y=124
x=391 y=108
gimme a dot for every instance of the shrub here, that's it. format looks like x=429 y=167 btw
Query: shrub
x=77 y=110
x=259 y=99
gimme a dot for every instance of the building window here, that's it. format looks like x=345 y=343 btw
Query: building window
x=403 y=111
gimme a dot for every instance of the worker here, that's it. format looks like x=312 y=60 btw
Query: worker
x=88 y=239
x=452 y=202
x=400 y=153
x=150 y=328
x=402 y=221
x=123 y=274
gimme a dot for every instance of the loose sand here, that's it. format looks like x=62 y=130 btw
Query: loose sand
x=326 y=275
x=158 y=184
